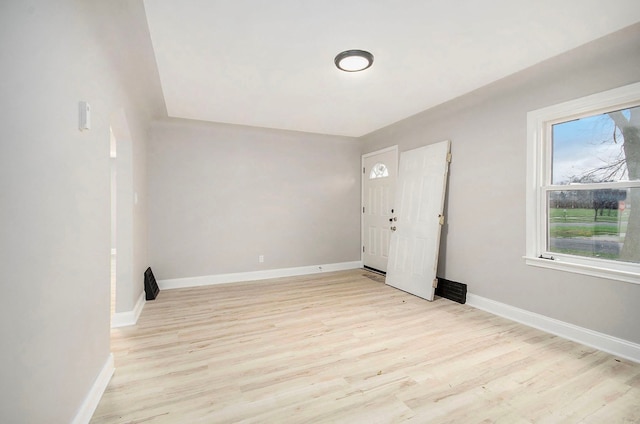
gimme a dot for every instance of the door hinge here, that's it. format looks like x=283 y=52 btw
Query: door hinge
x=449 y=157
x=363 y=170
x=441 y=219
x=363 y=209
x=435 y=283
x=362 y=249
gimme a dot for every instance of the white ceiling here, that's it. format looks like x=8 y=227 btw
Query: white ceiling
x=270 y=63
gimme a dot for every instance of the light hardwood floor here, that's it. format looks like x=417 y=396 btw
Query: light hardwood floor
x=343 y=347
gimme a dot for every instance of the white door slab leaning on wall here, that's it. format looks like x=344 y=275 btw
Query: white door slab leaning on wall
x=379 y=177
x=415 y=238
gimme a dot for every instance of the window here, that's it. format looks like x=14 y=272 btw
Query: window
x=379 y=170
x=583 y=185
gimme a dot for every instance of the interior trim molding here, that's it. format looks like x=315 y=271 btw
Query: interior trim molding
x=206 y=280
x=94 y=395
x=604 y=342
x=124 y=319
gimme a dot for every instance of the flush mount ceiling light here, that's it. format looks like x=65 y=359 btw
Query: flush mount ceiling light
x=353 y=60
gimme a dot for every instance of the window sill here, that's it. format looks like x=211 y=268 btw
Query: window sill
x=561 y=264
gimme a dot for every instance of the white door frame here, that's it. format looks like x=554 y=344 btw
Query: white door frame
x=362 y=181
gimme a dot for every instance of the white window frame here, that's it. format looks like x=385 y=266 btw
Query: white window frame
x=539 y=152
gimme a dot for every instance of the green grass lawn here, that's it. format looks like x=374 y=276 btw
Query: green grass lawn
x=607 y=224
x=583 y=215
x=580 y=231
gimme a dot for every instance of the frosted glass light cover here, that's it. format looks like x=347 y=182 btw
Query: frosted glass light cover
x=353 y=60
x=354 y=63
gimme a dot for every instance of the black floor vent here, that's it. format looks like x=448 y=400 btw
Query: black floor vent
x=452 y=290
x=151 y=288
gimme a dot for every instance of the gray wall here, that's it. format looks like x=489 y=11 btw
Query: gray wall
x=54 y=194
x=484 y=238
x=220 y=195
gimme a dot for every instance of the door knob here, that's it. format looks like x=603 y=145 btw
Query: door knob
x=393 y=228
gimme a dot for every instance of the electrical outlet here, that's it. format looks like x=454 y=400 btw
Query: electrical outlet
x=261 y=258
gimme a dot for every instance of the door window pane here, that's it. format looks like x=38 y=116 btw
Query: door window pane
x=379 y=170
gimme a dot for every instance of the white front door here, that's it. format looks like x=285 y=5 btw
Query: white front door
x=415 y=239
x=379 y=176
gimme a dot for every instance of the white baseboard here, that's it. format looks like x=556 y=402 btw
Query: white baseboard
x=613 y=345
x=207 y=280
x=92 y=399
x=124 y=319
